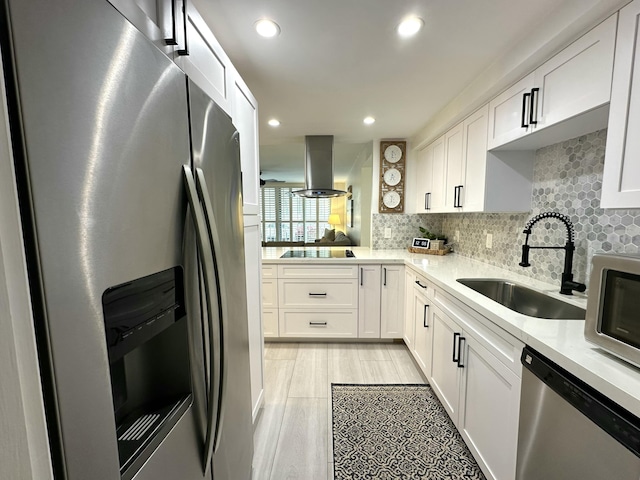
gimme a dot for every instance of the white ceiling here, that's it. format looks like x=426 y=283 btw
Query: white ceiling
x=337 y=61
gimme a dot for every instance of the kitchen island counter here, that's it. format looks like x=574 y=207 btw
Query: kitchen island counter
x=562 y=341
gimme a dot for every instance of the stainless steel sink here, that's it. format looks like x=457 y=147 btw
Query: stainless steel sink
x=523 y=300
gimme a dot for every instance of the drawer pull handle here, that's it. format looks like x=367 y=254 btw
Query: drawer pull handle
x=317 y=324
x=317 y=294
x=420 y=285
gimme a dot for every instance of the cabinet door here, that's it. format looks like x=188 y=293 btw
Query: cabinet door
x=453 y=147
x=392 y=301
x=253 y=255
x=489 y=409
x=369 y=302
x=565 y=90
x=438 y=175
x=423 y=320
x=621 y=178
x=475 y=160
x=424 y=179
x=445 y=373
x=507 y=111
x=202 y=58
x=245 y=118
x=409 y=328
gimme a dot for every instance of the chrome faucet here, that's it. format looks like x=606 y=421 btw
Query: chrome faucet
x=568 y=285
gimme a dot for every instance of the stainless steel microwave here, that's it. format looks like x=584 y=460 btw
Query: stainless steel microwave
x=613 y=305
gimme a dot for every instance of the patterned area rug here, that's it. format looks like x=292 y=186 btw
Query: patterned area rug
x=386 y=432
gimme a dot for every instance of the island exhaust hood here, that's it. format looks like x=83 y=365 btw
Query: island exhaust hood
x=318 y=168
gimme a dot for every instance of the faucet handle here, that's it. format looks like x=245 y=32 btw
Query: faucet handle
x=525 y=256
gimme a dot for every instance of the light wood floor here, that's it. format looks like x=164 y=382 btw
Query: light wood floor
x=293 y=436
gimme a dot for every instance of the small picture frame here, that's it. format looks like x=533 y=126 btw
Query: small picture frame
x=421 y=243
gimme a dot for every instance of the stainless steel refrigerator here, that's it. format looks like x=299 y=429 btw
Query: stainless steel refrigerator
x=130 y=194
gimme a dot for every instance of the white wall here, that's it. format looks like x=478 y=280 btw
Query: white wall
x=24 y=449
x=360 y=179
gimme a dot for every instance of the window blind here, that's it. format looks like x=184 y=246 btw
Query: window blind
x=290 y=218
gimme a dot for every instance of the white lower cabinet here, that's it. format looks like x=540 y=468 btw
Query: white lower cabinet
x=369 y=302
x=391 y=301
x=488 y=411
x=446 y=375
x=474 y=369
x=381 y=301
x=423 y=321
x=408 y=334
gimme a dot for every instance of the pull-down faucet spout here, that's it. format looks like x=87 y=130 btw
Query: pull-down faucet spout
x=567 y=284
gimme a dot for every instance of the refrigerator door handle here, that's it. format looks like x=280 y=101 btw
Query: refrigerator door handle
x=207 y=260
x=214 y=240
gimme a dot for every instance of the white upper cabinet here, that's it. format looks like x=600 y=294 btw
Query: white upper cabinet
x=454 y=161
x=465 y=177
x=424 y=179
x=577 y=79
x=509 y=113
x=570 y=85
x=621 y=179
x=202 y=58
x=474 y=146
x=245 y=118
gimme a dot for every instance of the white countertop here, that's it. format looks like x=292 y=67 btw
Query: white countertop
x=560 y=340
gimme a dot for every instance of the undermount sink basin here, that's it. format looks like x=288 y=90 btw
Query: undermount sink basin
x=524 y=300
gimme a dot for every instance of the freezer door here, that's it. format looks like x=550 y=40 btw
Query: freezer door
x=216 y=152
x=100 y=139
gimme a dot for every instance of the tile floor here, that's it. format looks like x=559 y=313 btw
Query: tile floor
x=293 y=436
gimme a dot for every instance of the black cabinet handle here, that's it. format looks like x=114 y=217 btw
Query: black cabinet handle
x=457 y=197
x=173 y=38
x=420 y=285
x=385 y=277
x=361 y=276
x=460 y=347
x=427 y=201
x=317 y=294
x=533 y=117
x=185 y=50
x=317 y=324
x=455 y=341
x=524 y=109
x=426 y=325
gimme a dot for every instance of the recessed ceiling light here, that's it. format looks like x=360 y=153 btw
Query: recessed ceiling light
x=267 y=28
x=410 y=26
x=274 y=122
x=369 y=120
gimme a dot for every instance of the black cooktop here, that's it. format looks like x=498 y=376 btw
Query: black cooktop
x=320 y=253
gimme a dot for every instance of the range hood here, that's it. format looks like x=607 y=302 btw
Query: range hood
x=318 y=168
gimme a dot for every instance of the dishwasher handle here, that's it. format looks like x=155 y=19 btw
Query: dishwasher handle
x=618 y=422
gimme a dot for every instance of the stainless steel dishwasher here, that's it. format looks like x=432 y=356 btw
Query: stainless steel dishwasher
x=570 y=431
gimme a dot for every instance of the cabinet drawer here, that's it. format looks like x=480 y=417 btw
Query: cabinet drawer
x=301 y=323
x=269 y=271
x=270 y=322
x=270 y=293
x=318 y=293
x=317 y=271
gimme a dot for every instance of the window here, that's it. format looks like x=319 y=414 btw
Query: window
x=290 y=218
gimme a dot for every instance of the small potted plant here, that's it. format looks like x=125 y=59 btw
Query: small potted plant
x=438 y=240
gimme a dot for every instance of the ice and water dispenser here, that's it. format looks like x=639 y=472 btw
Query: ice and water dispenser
x=148 y=345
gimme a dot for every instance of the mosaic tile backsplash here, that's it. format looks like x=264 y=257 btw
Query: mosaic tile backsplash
x=567 y=179
x=404 y=228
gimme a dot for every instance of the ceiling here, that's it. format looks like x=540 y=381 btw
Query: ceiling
x=337 y=61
